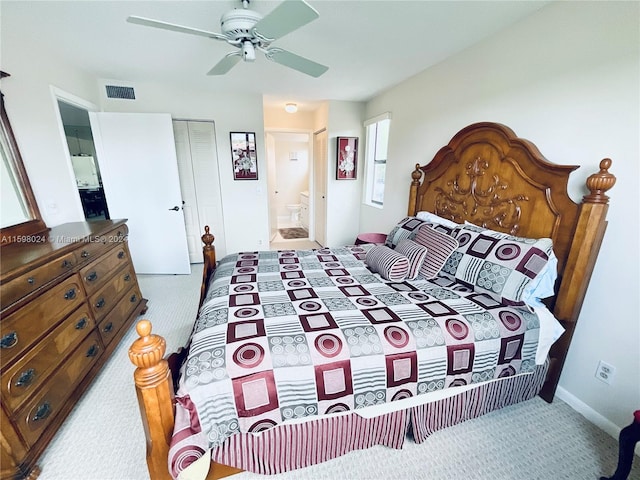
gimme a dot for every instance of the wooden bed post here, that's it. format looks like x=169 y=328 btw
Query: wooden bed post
x=155 y=397
x=586 y=242
x=413 y=190
x=209 y=254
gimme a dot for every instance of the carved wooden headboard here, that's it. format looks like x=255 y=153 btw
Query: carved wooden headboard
x=488 y=176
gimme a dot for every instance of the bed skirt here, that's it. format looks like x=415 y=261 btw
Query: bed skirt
x=288 y=447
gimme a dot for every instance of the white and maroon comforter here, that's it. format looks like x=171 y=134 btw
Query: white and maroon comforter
x=294 y=334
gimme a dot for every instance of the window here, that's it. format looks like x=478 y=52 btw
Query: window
x=377 y=137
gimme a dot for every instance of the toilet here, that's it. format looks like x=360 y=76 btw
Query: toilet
x=294 y=213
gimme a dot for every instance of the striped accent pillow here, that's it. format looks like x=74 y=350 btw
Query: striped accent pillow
x=415 y=253
x=388 y=263
x=440 y=246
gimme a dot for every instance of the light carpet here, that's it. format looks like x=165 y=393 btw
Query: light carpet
x=103 y=438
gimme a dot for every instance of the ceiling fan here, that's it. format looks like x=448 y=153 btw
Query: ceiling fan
x=249 y=31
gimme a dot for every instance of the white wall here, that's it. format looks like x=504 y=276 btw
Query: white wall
x=244 y=202
x=275 y=118
x=33 y=113
x=344 y=196
x=34 y=118
x=566 y=78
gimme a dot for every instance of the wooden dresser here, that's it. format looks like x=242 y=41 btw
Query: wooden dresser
x=66 y=303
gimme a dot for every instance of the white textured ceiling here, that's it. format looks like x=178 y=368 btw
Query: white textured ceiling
x=369 y=45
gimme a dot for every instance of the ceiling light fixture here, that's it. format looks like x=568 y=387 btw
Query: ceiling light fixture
x=291 y=108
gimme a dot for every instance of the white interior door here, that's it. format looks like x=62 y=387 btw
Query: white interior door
x=200 y=184
x=137 y=157
x=320 y=184
x=272 y=185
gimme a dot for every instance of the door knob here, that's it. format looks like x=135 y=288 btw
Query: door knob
x=176 y=208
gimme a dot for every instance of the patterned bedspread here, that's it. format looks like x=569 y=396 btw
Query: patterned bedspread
x=293 y=334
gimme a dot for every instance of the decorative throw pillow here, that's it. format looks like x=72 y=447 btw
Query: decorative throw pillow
x=415 y=253
x=496 y=263
x=388 y=263
x=440 y=246
x=406 y=228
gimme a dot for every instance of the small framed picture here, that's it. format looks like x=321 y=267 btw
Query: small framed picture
x=243 y=156
x=347 y=158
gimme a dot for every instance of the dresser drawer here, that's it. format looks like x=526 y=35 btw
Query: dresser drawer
x=92 y=248
x=24 y=326
x=117 y=317
x=17 y=288
x=21 y=380
x=43 y=408
x=106 y=298
x=93 y=275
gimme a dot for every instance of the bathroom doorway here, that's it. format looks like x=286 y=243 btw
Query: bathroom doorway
x=289 y=167
x=77 y=130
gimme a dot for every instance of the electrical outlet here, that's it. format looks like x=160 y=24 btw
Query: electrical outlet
x=605 y=372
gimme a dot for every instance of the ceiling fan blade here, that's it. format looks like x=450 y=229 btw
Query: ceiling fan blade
x=226 y=64
x=148 y=22
x=285 y=18
x=291 y=60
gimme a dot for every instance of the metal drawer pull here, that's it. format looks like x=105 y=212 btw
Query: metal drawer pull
x=120 y=254
x=25 y=378
x=134 y=298
x=82 y=323
x=93 y=351
x=92 y=277
x=9 y=340
x=100 y=303
x=70 y=295
x=42 y=412
x=31 y=280
x=127 y=277
x=84 y=254
x=108 y=327
x=66 y=264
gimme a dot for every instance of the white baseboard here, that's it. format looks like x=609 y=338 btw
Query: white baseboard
x=590 y=414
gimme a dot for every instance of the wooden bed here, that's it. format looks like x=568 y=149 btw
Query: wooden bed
x=485 y=175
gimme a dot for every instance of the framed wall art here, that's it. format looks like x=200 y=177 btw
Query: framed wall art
x=243 y=155
x=347 y=158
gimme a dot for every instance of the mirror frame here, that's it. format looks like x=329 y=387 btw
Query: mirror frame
x=34 y=228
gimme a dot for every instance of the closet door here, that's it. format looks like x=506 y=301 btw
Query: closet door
x=137 y=157
x=200 y=184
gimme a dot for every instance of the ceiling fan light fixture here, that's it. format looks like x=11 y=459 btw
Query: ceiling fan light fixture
x=291 y=108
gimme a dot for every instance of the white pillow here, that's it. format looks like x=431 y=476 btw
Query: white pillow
x=550 y=331
x=433 y=218
x=543 y=285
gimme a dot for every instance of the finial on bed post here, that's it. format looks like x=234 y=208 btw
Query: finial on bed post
x=155 y=396
x=416 y=175
x=599 y=183
x=209 y=254
x=208 y=239
x=586 y=239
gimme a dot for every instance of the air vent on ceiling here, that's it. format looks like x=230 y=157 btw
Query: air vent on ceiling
x=115 y=91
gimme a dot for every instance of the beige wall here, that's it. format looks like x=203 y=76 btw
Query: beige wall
x=567 y=79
